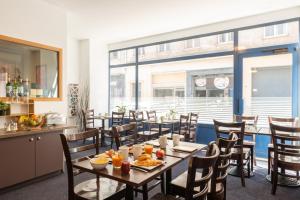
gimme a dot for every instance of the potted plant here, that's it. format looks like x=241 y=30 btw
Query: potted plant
x=3 y=108
x=121 y=109
x=172 y=113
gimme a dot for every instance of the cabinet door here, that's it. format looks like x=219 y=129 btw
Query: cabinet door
x=17 y=160
x=49 y=153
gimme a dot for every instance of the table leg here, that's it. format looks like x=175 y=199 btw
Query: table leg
x=168 y=181
x=129 y=192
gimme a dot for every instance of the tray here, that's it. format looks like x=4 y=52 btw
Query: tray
x=184 y=149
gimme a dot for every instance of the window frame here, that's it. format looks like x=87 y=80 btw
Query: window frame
x=235 y=52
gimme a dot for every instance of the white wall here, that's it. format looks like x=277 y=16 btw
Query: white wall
x=41 y=22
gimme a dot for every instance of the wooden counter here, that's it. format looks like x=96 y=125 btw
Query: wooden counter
x=30 y=154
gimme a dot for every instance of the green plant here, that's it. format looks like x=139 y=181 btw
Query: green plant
x=3 y=106
x=121 y=109
x=172 y=113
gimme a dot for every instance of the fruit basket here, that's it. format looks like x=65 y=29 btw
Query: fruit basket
x=32 y=121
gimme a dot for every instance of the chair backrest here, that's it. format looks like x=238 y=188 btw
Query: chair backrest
x=206 y=164
x=88 y=119
x=224 y=128
x=65 y=139
x=286 y=142
x=184 y=125
x=282 y=120
x=151 y=115
x=125 y=133
x=223 y=162
x=117 y=118
x=193 y=120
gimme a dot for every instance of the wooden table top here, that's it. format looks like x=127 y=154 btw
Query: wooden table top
x=135 y=177
x=164 y=122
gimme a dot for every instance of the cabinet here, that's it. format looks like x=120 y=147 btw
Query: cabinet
x=27 y=157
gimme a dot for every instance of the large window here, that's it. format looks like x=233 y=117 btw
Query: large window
x=199 y=74
x=199 y=85
x=121 y=89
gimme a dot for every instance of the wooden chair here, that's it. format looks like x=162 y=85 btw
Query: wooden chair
x=151 y=116
x=239 y=154
x=88 y=120
x=130 y=139
x=138 y=118
x=249 y=121
x=217 y=190
x=104 y=188
x=183 y=128
x=193 y=126
x=194 y=184
x=280 y=121
x=125 y=134
x=117 y=119
x=286 y=156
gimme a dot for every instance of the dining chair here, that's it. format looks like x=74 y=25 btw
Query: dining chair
x=88 y=121
x=97 y=188
x=125 y=134
x=280 y=121
x=117 y=119
x=143 y=134
x=130 y=139
x=151 y=116
x=251 y=142
x=193 y=126
x=286 y=153
x=183 y=128
x=194 y=184
x=217 y=189
x=239 y=154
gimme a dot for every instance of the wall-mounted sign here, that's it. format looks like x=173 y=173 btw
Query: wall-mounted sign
x=200 y=82
x=221 y=82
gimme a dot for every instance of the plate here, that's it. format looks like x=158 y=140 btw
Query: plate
x=146 y=168
x=184 y=149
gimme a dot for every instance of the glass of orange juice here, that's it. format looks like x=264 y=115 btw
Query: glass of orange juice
x=117 y=161
x=148 y=149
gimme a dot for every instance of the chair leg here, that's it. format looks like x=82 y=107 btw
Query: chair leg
x=145 y=192
x=162 y=184
x=241 y=169
x=224 y=184
x=269 y=160
x=274 y=182
x=248 y=169
x=252 y=157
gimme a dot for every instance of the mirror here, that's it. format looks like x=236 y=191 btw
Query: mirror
x=29 y=69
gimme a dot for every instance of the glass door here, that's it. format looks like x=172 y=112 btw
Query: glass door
x=268 y=85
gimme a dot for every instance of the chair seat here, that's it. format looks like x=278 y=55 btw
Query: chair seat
x=180 y=181
x=160 y=196
x=237 y=151
x=107 y=188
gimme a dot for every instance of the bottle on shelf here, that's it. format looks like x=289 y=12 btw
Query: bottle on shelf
x=20 y=88
x=9 y=88
x=26 y=88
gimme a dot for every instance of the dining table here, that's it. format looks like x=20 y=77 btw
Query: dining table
x=138 y=177
x=161 y=123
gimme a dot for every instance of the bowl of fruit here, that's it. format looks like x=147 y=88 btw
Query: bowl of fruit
x=32 y=120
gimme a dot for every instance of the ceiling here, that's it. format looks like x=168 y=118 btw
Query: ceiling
x=117 y=20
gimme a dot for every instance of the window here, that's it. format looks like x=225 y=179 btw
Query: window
x=275 y=30
x=141 y=51
x=122 y=57
x=268 y=35
x=192 y=43
x=177 y=85
x=225 y=38
x=164 y=47
x=121 y=79
x=133 y=89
